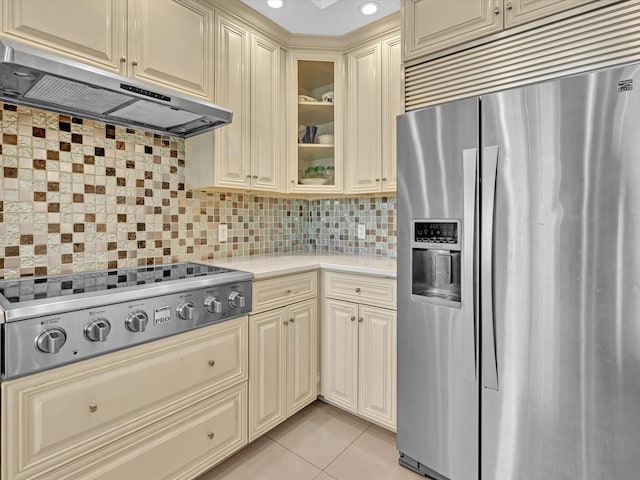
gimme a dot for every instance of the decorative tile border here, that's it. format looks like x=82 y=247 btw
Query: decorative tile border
x=81 y=195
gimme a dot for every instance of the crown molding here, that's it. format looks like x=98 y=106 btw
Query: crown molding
x=348 y=41
x=246 y=14
x=339 y=43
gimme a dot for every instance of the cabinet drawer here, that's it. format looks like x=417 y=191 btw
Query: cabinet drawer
x=377 y=291
x=57 y=416
x=178 y=448
x=278 y=292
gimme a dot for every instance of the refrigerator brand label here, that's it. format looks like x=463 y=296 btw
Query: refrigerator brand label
x=625 y=85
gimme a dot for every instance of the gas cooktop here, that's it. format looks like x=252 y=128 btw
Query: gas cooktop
x=61 y=319
x=33 y=296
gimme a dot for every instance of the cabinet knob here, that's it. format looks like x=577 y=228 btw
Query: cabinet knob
x=285 y=322
x=509 y=6
x=134 y=63
x=93 y=407
x=353 y=319
x=211 y=363
x=357 y=289
x=123 y=59
x=288 y=292
x=496 y=10
x=360 y=320
x=255 y=176
x=292 y=320
x=377 y=179
x=211 y=435
x=384 y=179
x=249 y=175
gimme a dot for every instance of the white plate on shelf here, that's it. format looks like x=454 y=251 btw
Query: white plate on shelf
x=313 y=181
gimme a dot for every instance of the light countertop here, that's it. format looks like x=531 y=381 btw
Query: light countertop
x=265 y=266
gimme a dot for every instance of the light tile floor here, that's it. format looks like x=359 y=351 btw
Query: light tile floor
x=320 y=442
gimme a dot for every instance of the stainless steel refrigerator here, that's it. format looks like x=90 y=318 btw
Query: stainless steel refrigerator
x=519 y=283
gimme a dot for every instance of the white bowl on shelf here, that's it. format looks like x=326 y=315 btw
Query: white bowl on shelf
x=313 y=181
x=326 y=139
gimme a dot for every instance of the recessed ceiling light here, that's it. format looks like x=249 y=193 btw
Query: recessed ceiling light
x=369 y=8
x=275 y=3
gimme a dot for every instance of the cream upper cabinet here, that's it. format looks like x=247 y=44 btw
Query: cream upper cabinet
x=247 y=154
x=375 y=99
x=359 y=345
x=94 y=31
x=267 y=114
x=315 y=106
x=167 y=42
x=364 y=157
x=232 y=160
x=171 y=43
x=391 y=107
x=518 y=12
x=434 y=25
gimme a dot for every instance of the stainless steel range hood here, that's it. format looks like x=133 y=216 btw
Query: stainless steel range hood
x=32 y=77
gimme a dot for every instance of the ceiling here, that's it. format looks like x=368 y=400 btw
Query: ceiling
x=322 y=17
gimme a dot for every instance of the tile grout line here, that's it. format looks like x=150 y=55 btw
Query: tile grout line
x=345 y=449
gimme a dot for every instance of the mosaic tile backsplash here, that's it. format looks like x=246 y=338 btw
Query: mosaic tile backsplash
x=81 y=195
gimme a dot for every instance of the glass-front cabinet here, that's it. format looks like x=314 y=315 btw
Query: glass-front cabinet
x=315 y=105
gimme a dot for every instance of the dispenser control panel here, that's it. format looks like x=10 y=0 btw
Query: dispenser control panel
x=437 y=233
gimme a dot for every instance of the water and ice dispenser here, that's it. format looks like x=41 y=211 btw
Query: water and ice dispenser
x=436 y=261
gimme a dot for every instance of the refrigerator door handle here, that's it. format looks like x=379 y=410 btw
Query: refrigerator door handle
x=489 y=354
x=469 y=174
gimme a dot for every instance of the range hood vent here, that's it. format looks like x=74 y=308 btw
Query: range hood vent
x=44 y=80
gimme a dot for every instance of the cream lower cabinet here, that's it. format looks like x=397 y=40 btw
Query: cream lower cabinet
x=283 y=351
x=167 y=410
x=359 y=347
x=130 y=37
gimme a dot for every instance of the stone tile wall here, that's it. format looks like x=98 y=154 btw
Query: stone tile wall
x=80 y=195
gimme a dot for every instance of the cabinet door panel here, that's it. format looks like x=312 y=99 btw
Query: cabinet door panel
x=233 y=145
x=266 y=116
x=302 y=344
x=523 y=11
x=377 y=367
x=181 y=60
x=93 y=31
x=391 y=108
x=340 y=353
x=432 y=25
x=268 y=375
x=364 y=140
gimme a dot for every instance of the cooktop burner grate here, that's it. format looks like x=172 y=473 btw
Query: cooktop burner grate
x=26 y=289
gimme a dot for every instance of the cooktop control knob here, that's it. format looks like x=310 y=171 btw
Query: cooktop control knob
x=186 y=310
x=213 y=305
x=137 y=321
x=97 y=330
x=51 y=340
x=236 y=300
